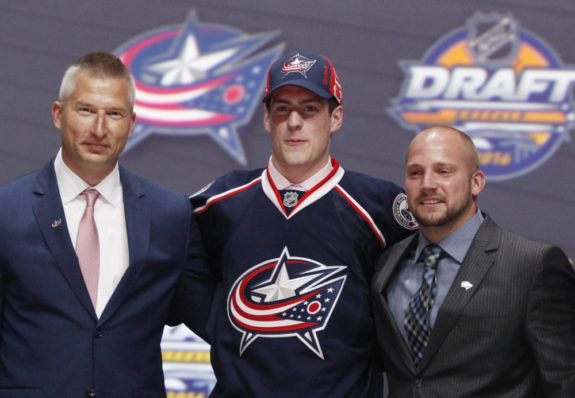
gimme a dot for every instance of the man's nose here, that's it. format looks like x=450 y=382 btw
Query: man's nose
x=99 y=127
x=294 y=120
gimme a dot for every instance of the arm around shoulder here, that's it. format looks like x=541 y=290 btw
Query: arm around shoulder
x=193 y=297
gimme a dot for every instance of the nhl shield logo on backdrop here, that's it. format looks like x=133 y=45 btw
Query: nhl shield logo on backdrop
x=493 y=39
x=285 y=297
x=197 y=79
x=499 y=83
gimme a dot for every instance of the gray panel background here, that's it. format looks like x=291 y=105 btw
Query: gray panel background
x=365 y=39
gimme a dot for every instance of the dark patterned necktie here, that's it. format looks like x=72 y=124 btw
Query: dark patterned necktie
x=416 y=320
x=290 y=198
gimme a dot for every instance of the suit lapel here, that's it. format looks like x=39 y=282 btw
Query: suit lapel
x=390 y=261
x=138 y=213
x=479 y=259
x=385 y=274
x=49 y=214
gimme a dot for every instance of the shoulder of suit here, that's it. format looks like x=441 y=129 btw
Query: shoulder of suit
x=514 y=247
x=143 y=186
x=36 y=180
x=24 y=181
x=520 y=242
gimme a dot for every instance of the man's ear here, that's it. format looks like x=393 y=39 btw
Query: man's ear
x=267 y=119
x=57 y=114
x=336 y=119
x=132 y=123
x=477 y=183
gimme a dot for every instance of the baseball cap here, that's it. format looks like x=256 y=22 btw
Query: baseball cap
x=306 y=69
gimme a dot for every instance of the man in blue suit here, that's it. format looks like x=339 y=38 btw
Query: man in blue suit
x=68 y=331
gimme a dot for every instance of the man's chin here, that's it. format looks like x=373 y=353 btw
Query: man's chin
x=430 y=220
x=98 y=162
x=96 y=154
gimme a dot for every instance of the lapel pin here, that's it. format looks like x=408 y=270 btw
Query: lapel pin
x=56 y=223
x=466 y=285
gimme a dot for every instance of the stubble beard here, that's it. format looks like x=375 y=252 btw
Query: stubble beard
x=440 y=219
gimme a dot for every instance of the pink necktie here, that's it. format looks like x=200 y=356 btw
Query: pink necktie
x=88 y=245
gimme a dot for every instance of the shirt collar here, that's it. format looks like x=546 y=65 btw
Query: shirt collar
x=282 y=183
x=71 y=185
x=457 y=243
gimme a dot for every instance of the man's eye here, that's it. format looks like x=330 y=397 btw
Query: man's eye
x=116 y=115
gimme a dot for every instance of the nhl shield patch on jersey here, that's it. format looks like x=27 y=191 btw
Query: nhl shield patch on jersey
x=285 y=297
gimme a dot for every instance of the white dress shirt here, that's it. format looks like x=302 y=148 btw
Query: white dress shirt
x=110 y=220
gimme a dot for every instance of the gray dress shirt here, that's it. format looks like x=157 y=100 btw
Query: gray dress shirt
x=409 y=273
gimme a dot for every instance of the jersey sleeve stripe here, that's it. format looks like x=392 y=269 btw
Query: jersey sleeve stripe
x=363 y=214
x=225 y=195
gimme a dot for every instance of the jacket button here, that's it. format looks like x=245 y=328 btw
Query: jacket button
x=98 y=334
x=418 y=383
x=90 y=393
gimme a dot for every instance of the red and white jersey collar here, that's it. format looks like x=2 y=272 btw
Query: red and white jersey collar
x=282 y=182
x=316 y=186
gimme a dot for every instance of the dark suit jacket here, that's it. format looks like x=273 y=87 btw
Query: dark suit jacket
x=51 y=342
x=510 y=335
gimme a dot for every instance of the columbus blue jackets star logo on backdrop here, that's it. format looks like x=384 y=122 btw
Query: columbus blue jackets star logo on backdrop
x=284 y=298
x=197 y=79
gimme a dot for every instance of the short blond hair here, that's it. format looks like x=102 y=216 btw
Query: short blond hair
x=98 y=64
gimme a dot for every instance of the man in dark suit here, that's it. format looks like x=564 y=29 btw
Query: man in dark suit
x=465 y=308
x=86 y=290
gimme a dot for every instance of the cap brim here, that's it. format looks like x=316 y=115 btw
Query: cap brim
x=319 y=91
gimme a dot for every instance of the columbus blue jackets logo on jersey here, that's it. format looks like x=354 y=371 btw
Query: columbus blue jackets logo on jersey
x=499 y=83
x=197 y=79
x=286 y=297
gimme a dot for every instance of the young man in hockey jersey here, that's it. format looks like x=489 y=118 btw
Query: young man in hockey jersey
x=291 y=250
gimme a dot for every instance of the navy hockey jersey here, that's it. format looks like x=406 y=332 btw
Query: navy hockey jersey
x=291 y=314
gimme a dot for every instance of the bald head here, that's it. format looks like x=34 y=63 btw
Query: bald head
x=442 y=180
x=449 y=137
